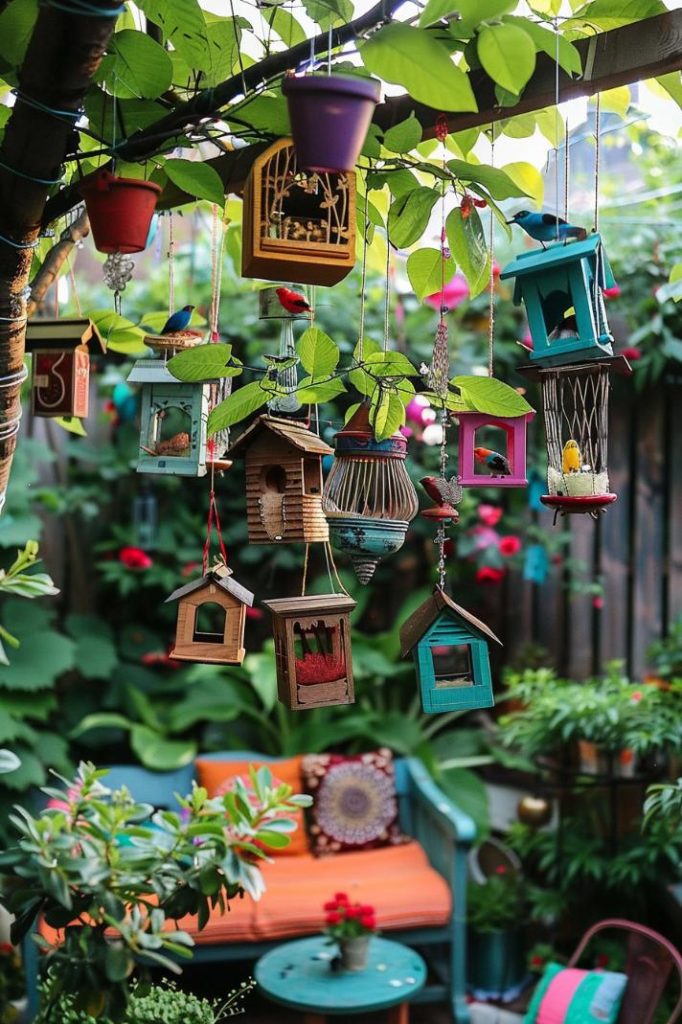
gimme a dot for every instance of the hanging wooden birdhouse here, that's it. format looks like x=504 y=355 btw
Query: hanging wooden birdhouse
x=283 y=481
x=492 y=449
x=369 y=499
x=312 y=650
x=561 y=287
x=575 y=401
x=450 y=650
x=173 y=413
x=61 y=365
x=298 y=225
x=211 y=619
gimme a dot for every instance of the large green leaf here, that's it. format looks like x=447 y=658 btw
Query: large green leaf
x=499 y=184
x=212 y=699
x=409 y=216
x=237 y=407
x=182 y=23
x=205 y=362
x=507 y=54
x=197 y=179
x=312 y=390
x=318 y=354
x=466 y=239
x=16 y=27
x=289 y=30
x=223 y=37
x=436 y=10
x=43 y=655
x=390 y=364
x=159 y=753
x=111 y=118
x=528 y=178
x=403 y=137
x=468 y=792
x=411 y=57
x=672 y=84
x=121 y=335
x=387 y=414
x=264 y=113
x=551 y=43
x=96 y=656
x=473 y=12
x=491 y=396
x=608 y=14
x=136 y=66
x=328 y=12
x=427 y=270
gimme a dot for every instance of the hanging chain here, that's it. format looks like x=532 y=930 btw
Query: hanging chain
x=440 y=535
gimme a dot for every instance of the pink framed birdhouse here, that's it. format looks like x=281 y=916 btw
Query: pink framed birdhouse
x=492 y=449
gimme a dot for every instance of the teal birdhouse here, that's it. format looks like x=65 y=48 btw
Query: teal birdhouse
x=450 y=650
x=561 y=287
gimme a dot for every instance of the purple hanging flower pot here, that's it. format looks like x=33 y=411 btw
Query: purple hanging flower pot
x=330 y=116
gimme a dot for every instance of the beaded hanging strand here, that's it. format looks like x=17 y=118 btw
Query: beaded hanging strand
x=439 y=370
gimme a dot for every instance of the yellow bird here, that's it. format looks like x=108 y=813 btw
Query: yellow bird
x=571 y=458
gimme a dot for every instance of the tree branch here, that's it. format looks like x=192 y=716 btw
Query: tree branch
x=53 y=262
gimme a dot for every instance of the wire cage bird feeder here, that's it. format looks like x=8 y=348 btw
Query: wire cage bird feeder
x=562 y=289
x=173 y=413
x=369 y=499
x=298 y=225
x=61 y=365
x=575 y=401
x=312 y=650
x=512 y=430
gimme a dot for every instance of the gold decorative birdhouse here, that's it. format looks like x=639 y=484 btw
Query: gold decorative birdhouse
x=61 y=365
x=298 y=225
x=283 y=481
x=211 y=618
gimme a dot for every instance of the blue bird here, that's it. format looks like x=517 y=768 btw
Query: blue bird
x=543 y=227
x=178 y=321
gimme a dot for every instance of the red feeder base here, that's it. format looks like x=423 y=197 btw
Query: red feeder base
x=587 y=504
x=319 y=668
x=441 y=513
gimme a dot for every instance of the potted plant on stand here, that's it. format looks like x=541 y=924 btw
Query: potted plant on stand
x=495 y=912
x=351 y=926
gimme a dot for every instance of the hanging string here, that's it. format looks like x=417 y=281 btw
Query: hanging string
x=213 y=520
x=597 y=157
x=217 y=240
x=439 y=371
x=331 y=568
x=491 y=283
x=72 y=279
x=171 y=266
x=387 y=293
x=363 y=278
x=329 y=51
x=305 y=569
x=556 y=124
x=567 y=162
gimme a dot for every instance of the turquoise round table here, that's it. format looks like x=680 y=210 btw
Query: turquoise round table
x=299 y=975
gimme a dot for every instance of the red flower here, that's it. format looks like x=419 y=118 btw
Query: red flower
x=489 y=574
x=449 y=547
x=557 y=559
x=367 y=911
x=329 y=906
x=598 y=602
x=611 y=293
x=602 y=960
x=341 y=897
x=490 y=515
x=510 y=545
x=254 y=613
x=501 y=869
x=333 y=918
x=353 y=912
x=6 y=948
x=134 y=558
x=632 y=354
x=160 y=658
x=536 y=961
x=636 y=696
x=190 y=568
x=368 y=922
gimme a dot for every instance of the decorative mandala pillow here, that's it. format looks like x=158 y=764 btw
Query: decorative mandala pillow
x=355 y=806
x=567 y=995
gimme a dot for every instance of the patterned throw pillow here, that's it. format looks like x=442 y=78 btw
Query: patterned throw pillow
x=355 y=806
x=567 y=995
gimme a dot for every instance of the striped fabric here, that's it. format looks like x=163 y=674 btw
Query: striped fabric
x=567 y=995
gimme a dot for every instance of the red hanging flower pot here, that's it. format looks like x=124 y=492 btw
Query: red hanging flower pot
x=330 y=116
x=120 y=210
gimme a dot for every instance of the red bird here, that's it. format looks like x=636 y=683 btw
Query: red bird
x=496 y=463
x=292 y=301
x=441 y=491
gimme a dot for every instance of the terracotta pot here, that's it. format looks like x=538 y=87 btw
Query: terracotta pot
x=120 y=210
x=354 y=953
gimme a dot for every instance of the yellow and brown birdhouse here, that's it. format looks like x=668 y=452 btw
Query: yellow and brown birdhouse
x=283 y=461
x=61 y=365
x=298 y=225
x=211 y=619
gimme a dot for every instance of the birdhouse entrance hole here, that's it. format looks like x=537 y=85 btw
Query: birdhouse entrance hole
x=452 y=665
x=209 y=624
x=496 y=439
x=274 y=479
x=170 y=431
x=318 y=653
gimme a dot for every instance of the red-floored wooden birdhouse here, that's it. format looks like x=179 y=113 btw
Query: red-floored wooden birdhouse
x=61 y=365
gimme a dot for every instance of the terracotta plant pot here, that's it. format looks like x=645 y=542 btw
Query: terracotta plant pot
x=120 y=210
x=354 y=953
x=330 y=116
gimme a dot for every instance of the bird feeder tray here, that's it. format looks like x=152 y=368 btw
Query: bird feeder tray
x=312 y=650
x=441 y=513
x=514 y=429
x=450 y=651
x=552 y=282
x=61 y=365
x=297 y=225
x=175 y=342
x=225 y=647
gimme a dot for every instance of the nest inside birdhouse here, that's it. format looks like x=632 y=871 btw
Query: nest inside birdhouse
x=319 y=668
x=582 y=484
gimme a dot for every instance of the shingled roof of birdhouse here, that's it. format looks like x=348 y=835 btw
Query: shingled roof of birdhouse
x=66 y=333
x=289 y=430
x=222 y=576
x=412 y=631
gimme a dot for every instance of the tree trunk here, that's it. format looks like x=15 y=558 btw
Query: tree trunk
x=54 y=261
x=64 y=52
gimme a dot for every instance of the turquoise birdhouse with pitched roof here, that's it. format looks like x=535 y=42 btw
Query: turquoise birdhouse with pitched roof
x=450 y=650
x=561 y=287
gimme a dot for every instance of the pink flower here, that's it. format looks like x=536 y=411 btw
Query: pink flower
x=454 y=293
x=190 y=568
x=134 y=558
x=632 y=354
x=598 y=602
x=527 y=341
x=406 y=432
x=510 y=545
x=611 y=293
x=490 y=515
x=501 y=869
x=415 y=408
x=484 y=537
x=254 y=613
x=636 y=696
x=489 y=574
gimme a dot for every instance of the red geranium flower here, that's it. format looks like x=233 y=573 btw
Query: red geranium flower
x=341 y=897
x=368 y=922
x=134 y=558
x=489 y=574
x=367 y=911
x=636 y=696
x=536 y=961
x=329 y=906
x=632 y=354
x=602 y=960
x=254 y=613
x=489 y=515
x=190 y=568
x=510 y=545
x=333 y=918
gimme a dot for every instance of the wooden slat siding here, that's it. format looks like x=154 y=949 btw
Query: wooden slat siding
x=580 y=619
x=517 y=614
x=673 y=468
x=546 y=628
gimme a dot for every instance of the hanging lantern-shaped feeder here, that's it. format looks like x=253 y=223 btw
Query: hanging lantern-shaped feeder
x=369 y=499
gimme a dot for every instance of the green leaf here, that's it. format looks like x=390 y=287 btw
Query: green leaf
x=403 y=137
x=389 y=364
x=615 y=101
x=71 y=424
x=182 y=23
x=312 y=391
x=436 y=10
x=159 y=753
x=329 y=12
x=237 y=407
x=491 y=396
x=528 y=178
x=468 y=791
x=95 y=656
x=205 y=362
x=106 y=114
x=548 y=42
x=16 y=28
x=318 y=354
x=507 y=54
x=44 y=654
x=608 y=14
x=223 y=36
x=400 y=182
x=427 y=270
x=466 y=239
x=499 y=184
x=289 y=30
x=387 y=415
x=121 y=335
x=409 y=216
x=119 y=962
x=197 y=179
x=672 y=84
x=411 y=57
x=265 y=113
x=136 y=67
x=473 y=12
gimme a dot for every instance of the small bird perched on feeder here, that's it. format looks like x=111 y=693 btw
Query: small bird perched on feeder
x=543 y=227
x=178 y=321
x=292 y=301
x=496 y=463
x=441 y=491
x=571 y=459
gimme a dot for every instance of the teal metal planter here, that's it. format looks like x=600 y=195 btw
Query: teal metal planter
x=496 y=961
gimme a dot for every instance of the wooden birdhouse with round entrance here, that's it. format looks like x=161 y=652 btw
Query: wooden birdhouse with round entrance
x=492 y=449
x=283 y=461
x=211 y=618
x=450 y=651
x=312 y=650
x=61 y=365
x=298 y=225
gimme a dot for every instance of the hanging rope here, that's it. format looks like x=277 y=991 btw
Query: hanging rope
x=72 y=279
x=305 y=569
x=567 y=161
x=171 y=266
x=363 y=278
x=597 y=157
x=387 y=293
x=491 y=283
x=556 y=123
x=329 y=559
x=213 y=520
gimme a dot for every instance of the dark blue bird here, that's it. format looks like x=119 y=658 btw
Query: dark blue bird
x=543 y=227
x=178 y=321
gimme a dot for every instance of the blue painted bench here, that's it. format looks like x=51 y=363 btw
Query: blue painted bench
x=442 y=829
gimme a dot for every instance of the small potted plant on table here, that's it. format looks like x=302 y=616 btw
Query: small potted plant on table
x=350 y=926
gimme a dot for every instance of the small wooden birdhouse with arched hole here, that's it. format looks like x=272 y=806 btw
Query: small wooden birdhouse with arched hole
x=283 y=462
x=450 y=650
x=501 y=435
x=561 y=287
x=298 y=225
x=211 y=619
x=61 y=365
x=312 y=650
